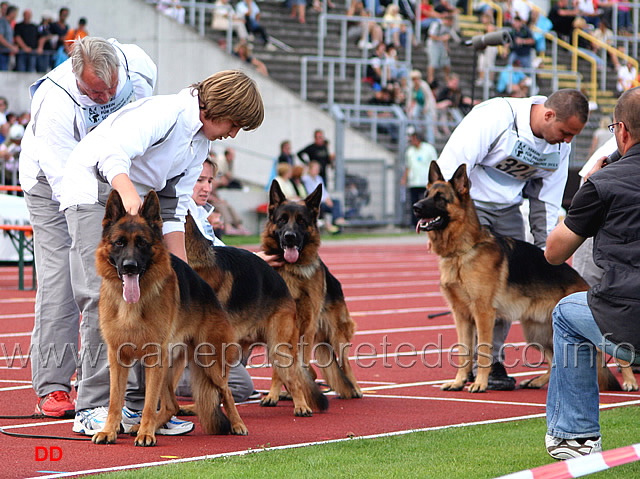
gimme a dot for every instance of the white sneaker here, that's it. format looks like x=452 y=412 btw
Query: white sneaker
x=560 y=448
x=90 y=421
x=175 y=426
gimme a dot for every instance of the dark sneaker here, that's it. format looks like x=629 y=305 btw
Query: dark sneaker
x=498 y=379
x=254 y=395
x=560 y=448
x=56 y=404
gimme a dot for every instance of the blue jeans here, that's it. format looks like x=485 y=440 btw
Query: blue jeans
x=573 y=396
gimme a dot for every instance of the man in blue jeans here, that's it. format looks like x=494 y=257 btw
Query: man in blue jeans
x=607 y=208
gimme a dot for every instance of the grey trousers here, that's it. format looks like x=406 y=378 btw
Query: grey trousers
x=239 y=381
x=54 y=340
x=506 y=222
x=85 y=229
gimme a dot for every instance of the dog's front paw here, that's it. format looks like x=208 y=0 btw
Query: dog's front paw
x=453 y=386
x=145 y=440
x=478 y=387
x=629 y=386
x=104 y=437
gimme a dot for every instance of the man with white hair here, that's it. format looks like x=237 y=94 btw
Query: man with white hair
x=100 y=77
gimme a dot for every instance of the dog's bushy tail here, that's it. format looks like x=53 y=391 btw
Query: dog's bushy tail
x=314 y=397
x=334 y=374
x=207 y=398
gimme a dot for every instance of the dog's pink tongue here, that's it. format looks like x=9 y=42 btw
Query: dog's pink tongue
x=291 y=254
x=130 y=288
x=418 y=227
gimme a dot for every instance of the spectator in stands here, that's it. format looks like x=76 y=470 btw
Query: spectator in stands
x=397 y=72
x=418 y=158
x=395 y=31
x=421 y=102
x=225 y=178
x=588 y=9
x=75 y=34
x=296 y=180
x=283 y=177
x=333 y=206
x=60 y=28
x=605 y=35
x=370 y=33
x=440 y=33
x=243 y=52
x=173 y=9
x=600 y=135
x=249 y=10
x=46 y=41
x=627 y=77
x=377 y=71
x=4 y=123
x=562 y=17
x=522 y=43
x=10 y=153
x=385 y=98
x=513 y=82
x=7 y=47
x=542 y=25
x=298 y=10
x=285 y=153
x=318 y=151
x=231 y=220
x=427 y=15
x=451 y=104
x=487 y=56
x=25 y=36
x=224 y=14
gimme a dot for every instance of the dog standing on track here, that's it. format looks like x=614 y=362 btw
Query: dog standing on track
x=482 y=275
x=150 y=303
x=326 y=328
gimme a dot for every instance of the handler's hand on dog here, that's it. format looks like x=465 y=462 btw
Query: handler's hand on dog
x=270 y=259
x=598 y=166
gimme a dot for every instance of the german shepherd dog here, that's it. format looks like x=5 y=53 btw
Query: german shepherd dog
x=260 y=308
x=291 y=233
x=482 y=275
x=150 y=301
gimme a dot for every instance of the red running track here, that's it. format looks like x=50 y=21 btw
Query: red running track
x=400 y=357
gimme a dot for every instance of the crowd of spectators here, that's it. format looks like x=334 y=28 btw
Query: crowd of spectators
x=27 y=46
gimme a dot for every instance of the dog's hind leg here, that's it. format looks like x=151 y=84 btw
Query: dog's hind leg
x=629 y=382
x=332 y=357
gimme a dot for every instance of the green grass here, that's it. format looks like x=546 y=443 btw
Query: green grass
x=326 y=238
x=470 y=452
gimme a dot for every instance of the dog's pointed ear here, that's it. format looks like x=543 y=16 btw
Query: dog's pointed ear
x=276 y=196
x=150 y=211
x=434 y=173
x=460 y=181
x=313 y=201
x=114 y=210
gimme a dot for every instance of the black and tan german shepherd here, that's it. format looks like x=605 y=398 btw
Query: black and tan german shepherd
x=325 y=325
x=151 y=301
x=482 y=275
x=260 y=309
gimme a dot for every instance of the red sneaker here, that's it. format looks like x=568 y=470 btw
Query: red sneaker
x=56 y=404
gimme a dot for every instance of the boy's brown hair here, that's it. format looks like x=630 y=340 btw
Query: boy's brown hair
x=231 y=95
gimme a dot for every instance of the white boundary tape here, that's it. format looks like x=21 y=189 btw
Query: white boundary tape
x=581 y=466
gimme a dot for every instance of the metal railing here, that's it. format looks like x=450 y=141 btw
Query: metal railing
x=324 y=18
